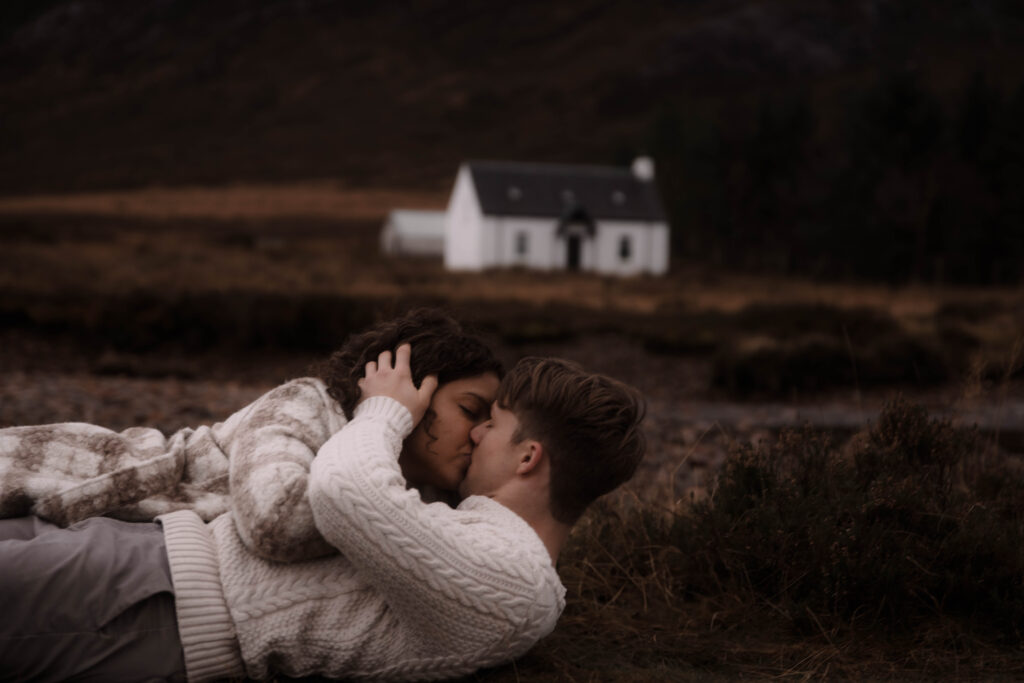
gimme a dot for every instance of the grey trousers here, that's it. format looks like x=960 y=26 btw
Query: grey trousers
x=93 y=602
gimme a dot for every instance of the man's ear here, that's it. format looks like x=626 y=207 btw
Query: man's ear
x=530 y=457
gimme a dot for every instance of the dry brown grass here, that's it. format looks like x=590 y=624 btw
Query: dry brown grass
x=632 y=614
x=321 y=238
x=325 y=200
x=642 y=605
x=256 y=240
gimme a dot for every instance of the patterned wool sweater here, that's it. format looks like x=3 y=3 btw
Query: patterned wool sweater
x=262 y=454
x=419 y=590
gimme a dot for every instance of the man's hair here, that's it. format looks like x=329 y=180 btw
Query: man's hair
x=440 y=346
x=588 y=424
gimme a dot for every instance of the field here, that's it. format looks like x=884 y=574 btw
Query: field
x=176 y=307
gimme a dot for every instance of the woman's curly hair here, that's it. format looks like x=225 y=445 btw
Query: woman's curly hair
x=440 y=346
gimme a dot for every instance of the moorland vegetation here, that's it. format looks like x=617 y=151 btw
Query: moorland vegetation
x=897 y=556
x=894 y=554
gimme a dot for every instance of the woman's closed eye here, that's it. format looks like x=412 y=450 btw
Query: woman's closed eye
x=473 y=414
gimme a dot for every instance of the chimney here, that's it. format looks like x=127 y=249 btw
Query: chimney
x=643 y=169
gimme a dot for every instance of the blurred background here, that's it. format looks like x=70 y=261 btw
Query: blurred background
x=875 y=139
x=191 y=196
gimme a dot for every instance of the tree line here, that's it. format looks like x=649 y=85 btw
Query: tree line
x=892 y=181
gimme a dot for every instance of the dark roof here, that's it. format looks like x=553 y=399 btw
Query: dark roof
x=525 y=189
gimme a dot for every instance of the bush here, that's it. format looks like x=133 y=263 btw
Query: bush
x=794 y=320
x=682 y=331
x=815 y=363
x=913 y=522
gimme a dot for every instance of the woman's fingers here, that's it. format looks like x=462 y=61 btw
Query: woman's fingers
x=428 y=386
x=383 y=379
x=383 y=362
x=402 y=354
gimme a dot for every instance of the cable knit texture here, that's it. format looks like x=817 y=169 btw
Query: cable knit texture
x=419 y=591
x=261 y=454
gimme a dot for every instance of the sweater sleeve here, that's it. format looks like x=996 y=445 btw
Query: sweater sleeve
x=275 y=442
x=460 y=581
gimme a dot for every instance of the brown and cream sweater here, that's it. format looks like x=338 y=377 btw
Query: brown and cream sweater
x=256 y=464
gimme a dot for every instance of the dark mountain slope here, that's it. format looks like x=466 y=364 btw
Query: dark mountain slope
x=123 y=93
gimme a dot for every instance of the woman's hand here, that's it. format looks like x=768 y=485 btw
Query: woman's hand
x=382 y=379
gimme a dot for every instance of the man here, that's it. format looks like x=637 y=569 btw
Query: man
x=418 y=591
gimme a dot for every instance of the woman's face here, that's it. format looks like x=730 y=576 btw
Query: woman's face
x=437 y=452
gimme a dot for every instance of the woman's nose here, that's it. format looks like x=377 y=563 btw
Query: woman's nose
x=475 y=432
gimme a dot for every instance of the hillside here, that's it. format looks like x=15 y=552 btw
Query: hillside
x=101 y=95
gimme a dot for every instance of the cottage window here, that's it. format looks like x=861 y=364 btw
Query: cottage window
x=625 y=248
x=522 y=243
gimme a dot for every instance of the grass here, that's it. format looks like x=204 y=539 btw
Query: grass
x=338 y=253
x=897 y=556
x=273 y=278
x=319 y=200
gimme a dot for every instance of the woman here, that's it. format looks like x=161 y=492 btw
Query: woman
x=68 y=472
x=97 y=599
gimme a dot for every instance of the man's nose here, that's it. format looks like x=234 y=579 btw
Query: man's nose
x=475 y=433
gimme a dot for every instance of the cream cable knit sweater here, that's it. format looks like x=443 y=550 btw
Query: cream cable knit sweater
x=419 y=591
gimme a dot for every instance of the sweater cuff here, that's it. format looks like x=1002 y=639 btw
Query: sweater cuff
x=389 y=410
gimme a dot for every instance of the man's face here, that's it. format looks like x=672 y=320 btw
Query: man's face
x=495 y=457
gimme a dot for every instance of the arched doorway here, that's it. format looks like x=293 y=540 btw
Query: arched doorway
x=575 y=227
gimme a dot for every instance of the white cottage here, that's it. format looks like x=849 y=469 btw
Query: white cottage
x=550 y=216
x=409 y=232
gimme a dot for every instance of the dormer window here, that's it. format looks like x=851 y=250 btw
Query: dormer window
x=618 y=197
x=514 y=193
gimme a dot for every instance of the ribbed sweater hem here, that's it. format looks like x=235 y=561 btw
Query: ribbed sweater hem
x=204 y=622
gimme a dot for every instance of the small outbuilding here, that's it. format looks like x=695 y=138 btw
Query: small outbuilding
x=601 y=219
x=409 y=232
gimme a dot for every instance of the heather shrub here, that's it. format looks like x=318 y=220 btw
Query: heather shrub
x=898 y=555
x=793 y=320
x=815 y=362
x=785 y=348
x=682 y=331
x=914 y=520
